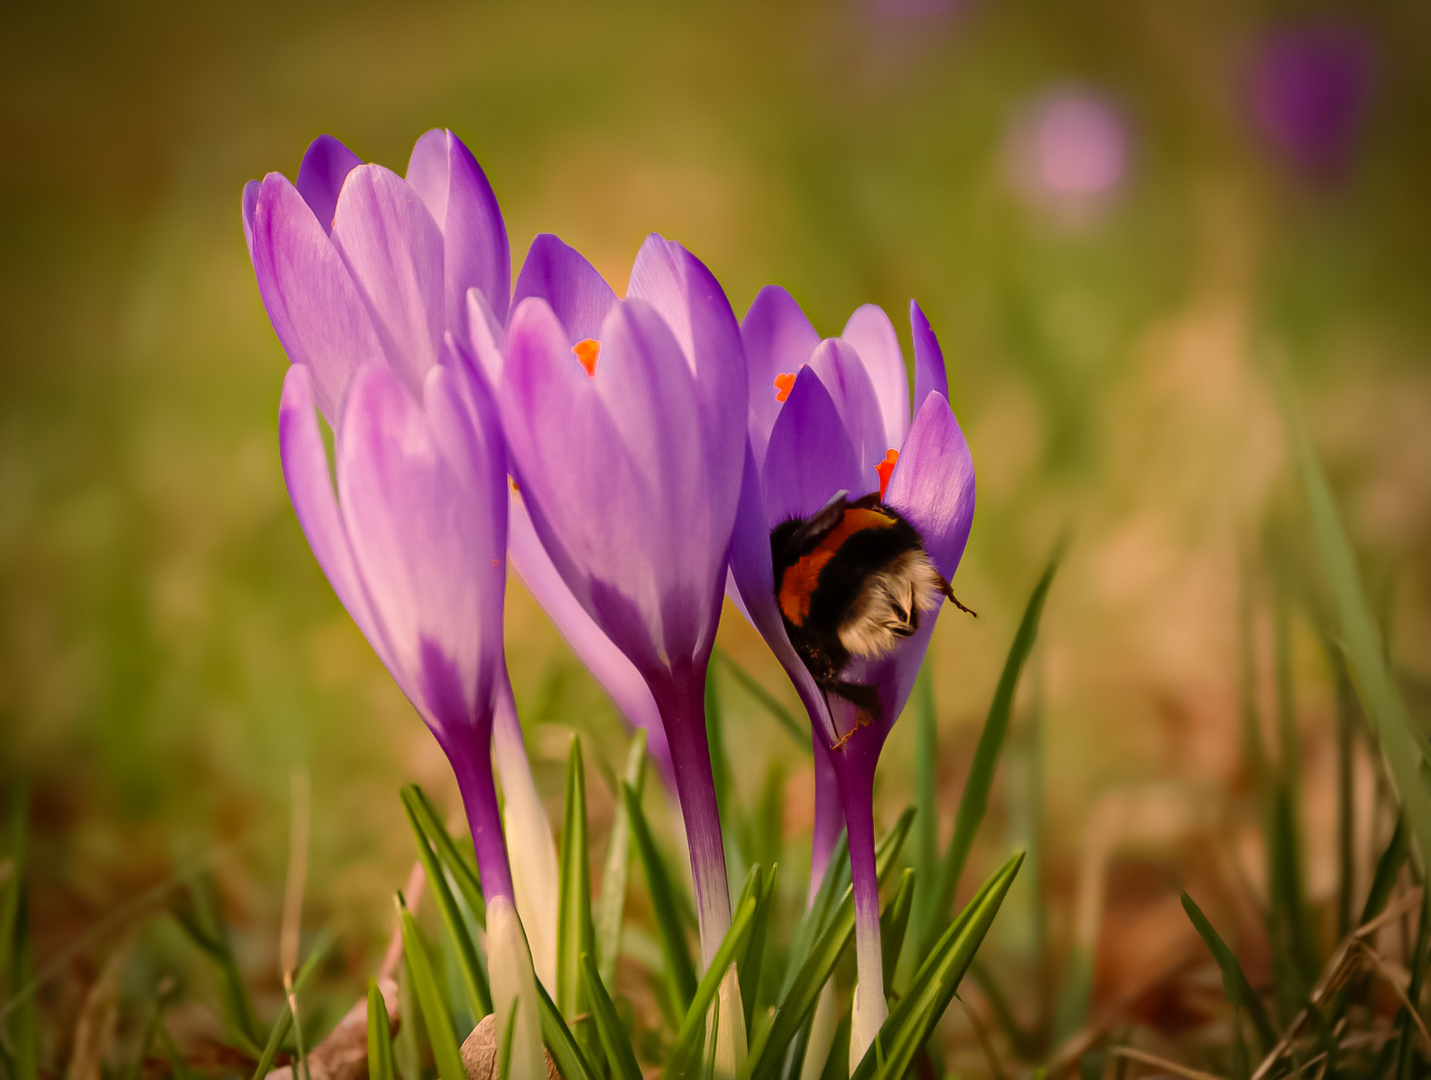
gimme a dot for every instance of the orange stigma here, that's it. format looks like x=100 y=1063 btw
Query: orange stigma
x=885 y=468
x=784 y=383
x=588 y=350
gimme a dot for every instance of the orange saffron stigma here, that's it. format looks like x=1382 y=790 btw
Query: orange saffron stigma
x=588 y=350
x=885 y=468
x=784 y=383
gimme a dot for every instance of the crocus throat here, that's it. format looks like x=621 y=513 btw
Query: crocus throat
x=588 y=351
x=784 y=383
x=885 y=468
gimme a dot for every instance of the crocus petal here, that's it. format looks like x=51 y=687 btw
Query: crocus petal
x=310 y=489
x=449 y=181
x=250 y=203
x=691 y=302
x=933 y=483
x=561 y=276
x=484 y=336
x=625 y=447
x=847 y=379
x=428 y=535
x=809 y=457
x=930 y=375
x=393 y=248
x=751 y=570
x=312 y=301
x=872 y=334
x=778 y=341
x=616 y=674
x=326 y=164
x=514 y=986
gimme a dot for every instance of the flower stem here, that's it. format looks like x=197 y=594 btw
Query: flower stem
x=855 y=766
x=680 y=697
x=829 y=817
x=470 y=755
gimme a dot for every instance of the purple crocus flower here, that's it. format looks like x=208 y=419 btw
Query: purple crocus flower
x=1310 y=90
x=365 y=277
x=829 y=416
x=625 y=422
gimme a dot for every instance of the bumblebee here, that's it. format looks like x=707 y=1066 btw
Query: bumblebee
x=852 y=581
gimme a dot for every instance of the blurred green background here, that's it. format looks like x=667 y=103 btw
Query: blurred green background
x=170 y=651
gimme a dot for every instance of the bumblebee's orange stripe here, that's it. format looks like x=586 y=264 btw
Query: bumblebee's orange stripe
x=799 y=581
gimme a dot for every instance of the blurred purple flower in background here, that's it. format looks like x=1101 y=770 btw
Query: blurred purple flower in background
x=1311 y=87
x=827 y=416
x=625 y=423
x=1068 y=152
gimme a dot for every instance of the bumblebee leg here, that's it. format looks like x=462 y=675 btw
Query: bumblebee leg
x=948 y=591
x=864 y=698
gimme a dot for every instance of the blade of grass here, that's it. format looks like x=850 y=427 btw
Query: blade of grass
x=1362 y=642
x=570 y=1061
x=693 y=1025
x=754 y=962
x=614 y=1039
x=317 y=953
x=469 y=965
x=380 y=1036
x=435 y=1017
x=975 y=799
x=680 y=971
x=893 y=922
x=13 y=888
x=1388 y=869
x=611 y=907
x=206 y=928
x=935 y=983
x=462 y=870
x=1234 y=981
x=797 y=729
x=575 y=936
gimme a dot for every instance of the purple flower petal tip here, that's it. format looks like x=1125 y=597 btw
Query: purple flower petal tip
x=930 y=375
x=571 y=286
x=325 y=166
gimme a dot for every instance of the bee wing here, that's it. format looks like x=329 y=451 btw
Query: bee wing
x=819 y=524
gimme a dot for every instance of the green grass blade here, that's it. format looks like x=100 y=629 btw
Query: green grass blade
x=611 y=907
x=380 y=1036
x=753 y=965
x=799 y=730
x=1388 y=869
x=935 y=983
x=574 y=933
x=680 y=970
x=1234 y=982
x=975 y=799
x=462 y=869
x=206 y=927
x=614 y=1040
x=317 y=952
x=435 y=1017
x=692 y=1031
x=469 y=965
x=570 y=1061
x=1362 y=643
x=12 y=890
x=504 y=1060
x=893 y=921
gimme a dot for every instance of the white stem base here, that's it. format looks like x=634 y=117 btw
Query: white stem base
x=822 y=1034
x=867 y=1017
x=514 y=985
x=531 y=851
